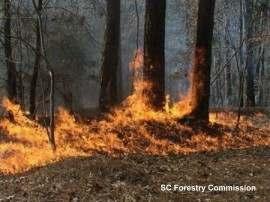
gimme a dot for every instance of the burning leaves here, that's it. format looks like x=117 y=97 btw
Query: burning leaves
x=130 y=128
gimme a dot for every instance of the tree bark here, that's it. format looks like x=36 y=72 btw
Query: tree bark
x=154 y=56
x=11 y=66
x=110 y=66
x=200 y=89
x=228 y=74
x=241 y=57
x=250 y=65
x=261 y=79
x=34 y=79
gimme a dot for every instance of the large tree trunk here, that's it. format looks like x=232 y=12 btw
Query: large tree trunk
x=250 y=64
x=154 y=59
x=109 y=70
x=200 y=90
x=38 y=50
x=11 y=66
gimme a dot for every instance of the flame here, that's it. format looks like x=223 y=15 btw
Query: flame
x=137 y=62
x=133 y=127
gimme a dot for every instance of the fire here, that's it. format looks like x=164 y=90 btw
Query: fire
x=130 y=128
x=137 y=103
x=137 y=62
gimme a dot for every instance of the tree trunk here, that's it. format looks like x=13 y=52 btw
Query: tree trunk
x=228 y=81
x=52 y=124
x=20 y=93
x=11 y=66
x=250 y=102
x=38 y=50
x=241 y=58
x=109 y=70
x=154 y=56
x=261 y=79
x=228 y=74
x=200 y=90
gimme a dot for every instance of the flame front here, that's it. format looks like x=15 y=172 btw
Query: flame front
x=132 y=127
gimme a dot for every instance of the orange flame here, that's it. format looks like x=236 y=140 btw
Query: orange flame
x=132 y=127
x=137 y=61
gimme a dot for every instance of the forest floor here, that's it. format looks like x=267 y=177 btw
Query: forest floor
x=138 y=178
x=127 y=156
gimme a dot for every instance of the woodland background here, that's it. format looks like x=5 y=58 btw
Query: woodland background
x=74 y=40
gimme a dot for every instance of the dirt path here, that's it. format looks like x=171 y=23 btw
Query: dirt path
x=138 y=178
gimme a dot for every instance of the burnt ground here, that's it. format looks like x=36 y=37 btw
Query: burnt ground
x=138 y=178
